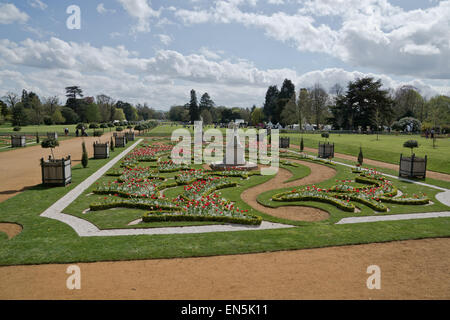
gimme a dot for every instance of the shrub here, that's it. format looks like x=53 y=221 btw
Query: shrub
x=119 y=129
x=411 y=144
x=110 y=125
x=97 y=133
x=17 y=129
x=360 y=157
x=129 y=127
x=48 y=120
x=84 y=158
x=93 y=126
x=51 y=144
x=325 y=135
x=302 y=146
x=401 y=124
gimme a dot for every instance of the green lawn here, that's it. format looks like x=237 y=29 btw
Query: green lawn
x=387 y=149
x=49 y=241
x=7 y=128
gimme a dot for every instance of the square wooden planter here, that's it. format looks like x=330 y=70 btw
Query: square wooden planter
x=120 y=141
x=412 y=167
x=285 y=142
x=130 y=135
x=326 y=150
x=18 y=141
x=52 y=135
x=56 y=171
x=101 y=150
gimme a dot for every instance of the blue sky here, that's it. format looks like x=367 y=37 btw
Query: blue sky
x=157 y=51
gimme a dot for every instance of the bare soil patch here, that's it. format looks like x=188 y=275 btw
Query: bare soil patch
x=11 y=229
x=414 y=269
x=299 y=213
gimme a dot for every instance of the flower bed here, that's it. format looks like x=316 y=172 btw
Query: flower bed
x=188 y=177
x=140 y=188
x=137 y=173
x=133 y=203
x=380 y=190
x=204 y=187
x=170 y=166
x=206 y=208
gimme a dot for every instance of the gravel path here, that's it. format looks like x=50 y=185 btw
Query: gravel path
x=20 y=168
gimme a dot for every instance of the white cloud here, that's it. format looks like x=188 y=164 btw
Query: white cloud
x=276 y=2
x=209 y=54
x=102 y=10
x=142 y=11
x=165 y=39
x=10 y=14
x=54 y=64
x=371 y=33
x=38 y=4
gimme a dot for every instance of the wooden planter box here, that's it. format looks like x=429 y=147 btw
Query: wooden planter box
x=130 y=135
x=285 y=142
x=120 y=141
x=413 y=167
x=56 y=171
x=101 y=150
x=18 y=141
x=326 y=150
x=52 y=135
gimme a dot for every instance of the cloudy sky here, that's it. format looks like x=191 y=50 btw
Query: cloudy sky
x=157 y=51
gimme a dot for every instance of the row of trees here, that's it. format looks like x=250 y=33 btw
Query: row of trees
x=207 y=111
x=29 y=109
x=363 y=103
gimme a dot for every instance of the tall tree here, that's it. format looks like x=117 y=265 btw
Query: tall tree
x=270 y=102
x=409 y=103
x=73 y=92
x=257 y=116
x=286 y=94
x=206 y=102
x=290 y=113
x=106 y=106
x=129 y=111
x=19 y=116
x=194 y=113
x=319 y=98
x=364 y=97
x=11 y=99
x=304 y=105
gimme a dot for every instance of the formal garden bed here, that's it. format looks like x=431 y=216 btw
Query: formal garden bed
x=147 y=185
x=167 y=200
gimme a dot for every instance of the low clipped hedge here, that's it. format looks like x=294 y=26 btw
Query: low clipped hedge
x=125 y=203
x=154 y=216
x=349 y=207
x=411 y=201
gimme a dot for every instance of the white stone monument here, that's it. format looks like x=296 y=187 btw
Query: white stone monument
x=234 y=154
